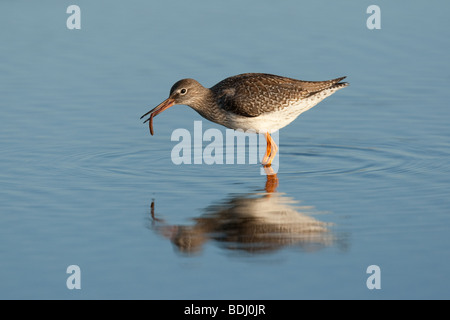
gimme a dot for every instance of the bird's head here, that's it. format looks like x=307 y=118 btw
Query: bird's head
x=187 y=91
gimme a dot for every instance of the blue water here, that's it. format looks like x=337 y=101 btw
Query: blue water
x=367 y=170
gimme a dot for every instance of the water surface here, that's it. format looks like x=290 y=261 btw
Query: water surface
x=363 y=177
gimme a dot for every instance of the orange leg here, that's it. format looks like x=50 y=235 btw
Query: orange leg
x=272 y=180
x=271 y=183
x=268 y=149
x=271 y=151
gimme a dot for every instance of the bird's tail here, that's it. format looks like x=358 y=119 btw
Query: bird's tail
x=337 y=84
x=316 y=86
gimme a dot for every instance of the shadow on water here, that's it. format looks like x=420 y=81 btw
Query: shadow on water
x=252 y=223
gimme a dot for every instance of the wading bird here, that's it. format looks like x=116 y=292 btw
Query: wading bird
x=263 y=103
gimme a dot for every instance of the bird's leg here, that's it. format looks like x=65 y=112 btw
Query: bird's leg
x=268 y=150
x=273 y=150
x=271 y=183
x=272 y=180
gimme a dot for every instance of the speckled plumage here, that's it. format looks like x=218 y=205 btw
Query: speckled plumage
x=260 y=102
x=251 y=101
x=253 y=94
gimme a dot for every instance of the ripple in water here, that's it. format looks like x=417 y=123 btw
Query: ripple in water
x=385 y=159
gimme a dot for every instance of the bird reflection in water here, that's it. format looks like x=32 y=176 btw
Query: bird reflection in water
x=253 y=223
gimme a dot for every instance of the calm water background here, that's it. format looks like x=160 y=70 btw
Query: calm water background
x=79 y=170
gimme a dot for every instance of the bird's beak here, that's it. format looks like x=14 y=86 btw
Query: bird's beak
x=166 y=104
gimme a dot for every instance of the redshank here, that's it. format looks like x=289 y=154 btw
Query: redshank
x=263 y=103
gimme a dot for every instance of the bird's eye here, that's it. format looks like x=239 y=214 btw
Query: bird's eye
x=183 y=91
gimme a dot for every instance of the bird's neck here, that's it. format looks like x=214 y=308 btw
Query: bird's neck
x=205 y=104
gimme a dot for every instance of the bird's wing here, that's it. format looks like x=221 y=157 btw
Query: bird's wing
x=254 y=94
